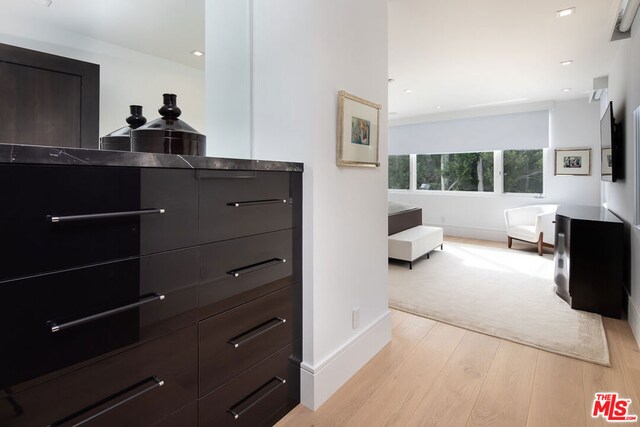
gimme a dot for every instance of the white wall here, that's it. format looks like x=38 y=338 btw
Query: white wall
x=228 y=78
x=126 y=76
x=305 y=52
x=624 y=91
x=573 y=124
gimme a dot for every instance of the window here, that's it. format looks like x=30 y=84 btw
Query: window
x=522 y=171
x=399 y=172
x=455 y=172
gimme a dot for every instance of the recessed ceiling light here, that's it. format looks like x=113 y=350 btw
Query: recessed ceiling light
x=390 y=80
x=438 y=107
x=408 y=90
x=197 y=53
x=566 y=12
x=566 y=89
x=569 y=62
x=45 y=3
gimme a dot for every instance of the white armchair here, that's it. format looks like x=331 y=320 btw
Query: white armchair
x=533 y=224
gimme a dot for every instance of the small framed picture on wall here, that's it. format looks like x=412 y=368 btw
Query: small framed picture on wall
x=573 y=162
x=358 y=131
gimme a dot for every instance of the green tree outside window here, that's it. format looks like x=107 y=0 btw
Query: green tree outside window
x=522 y=171
x=399 y=172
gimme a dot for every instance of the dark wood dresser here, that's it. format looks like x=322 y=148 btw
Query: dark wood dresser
x=148 y=289
x=589 y=259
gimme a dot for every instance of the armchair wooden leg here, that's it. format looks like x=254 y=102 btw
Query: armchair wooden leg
x=509 y=241
x=540 y=245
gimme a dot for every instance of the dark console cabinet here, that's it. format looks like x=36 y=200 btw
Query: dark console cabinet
x=148 y=290
x=589 y=259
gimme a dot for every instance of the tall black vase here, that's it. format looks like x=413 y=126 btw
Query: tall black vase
x=168 y=134
x=120 y=140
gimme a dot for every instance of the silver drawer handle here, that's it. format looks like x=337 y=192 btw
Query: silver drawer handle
x=55 y=327
x=257 y=266
x=256 y=202
x=255 y=397
x=156 y=382
x=256 y=332
x=70 y=218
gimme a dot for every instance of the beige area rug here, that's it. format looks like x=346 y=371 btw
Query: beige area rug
x=501 y=292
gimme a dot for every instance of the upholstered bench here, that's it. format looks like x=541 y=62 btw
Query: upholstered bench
x=408 y=245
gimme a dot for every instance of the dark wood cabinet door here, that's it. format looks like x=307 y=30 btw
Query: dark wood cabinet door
x=251 y=398
x=143 y=386
x=64 y=318
x=237 y=339
x=147 y=211
x=243 y=203
x=251 y=266
x=48 y=99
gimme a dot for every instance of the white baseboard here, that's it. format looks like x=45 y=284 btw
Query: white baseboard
x=633 y=317
x=318 y=383
x=472 y=232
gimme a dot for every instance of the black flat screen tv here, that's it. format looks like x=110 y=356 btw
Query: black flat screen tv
x=609 y=147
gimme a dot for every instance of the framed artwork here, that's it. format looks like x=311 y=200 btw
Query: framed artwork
x=606 y=162
x=573 y=162
x=358 y=131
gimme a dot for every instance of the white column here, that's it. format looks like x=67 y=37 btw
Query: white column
x=304 y=52
x=228 y=78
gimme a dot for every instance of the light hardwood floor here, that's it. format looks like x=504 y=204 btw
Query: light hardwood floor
x=432 y=373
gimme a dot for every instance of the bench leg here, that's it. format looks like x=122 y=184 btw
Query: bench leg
x=509 y=241
x=427 y=256
x=410 y=265
x=442 y=247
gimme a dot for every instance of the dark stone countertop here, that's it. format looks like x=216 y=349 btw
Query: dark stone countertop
x=41 y=155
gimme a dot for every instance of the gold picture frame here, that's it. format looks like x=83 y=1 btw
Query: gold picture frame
x=575 y=161
x=358 y=142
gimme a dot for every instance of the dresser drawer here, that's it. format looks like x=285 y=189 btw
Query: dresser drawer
x=59 y=217
x=240 y=265
x=186 y=417
x=242 y=203
x=238 y=339
x=138 y=387
x=63 y=318
x=252 y=397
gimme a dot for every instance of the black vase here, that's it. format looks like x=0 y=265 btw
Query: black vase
x=120 y=140
x=168 y=134
x=136 y=119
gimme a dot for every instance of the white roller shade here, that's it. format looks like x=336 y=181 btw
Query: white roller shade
x=517 y=131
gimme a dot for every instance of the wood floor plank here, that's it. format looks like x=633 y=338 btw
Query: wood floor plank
x=506 y=392
x=623 y=344
x=596 y=378
x=351 y=396
x=629 y=351
x=397 y=317
x=451 y=398
x=397 y=398
x=557 y=398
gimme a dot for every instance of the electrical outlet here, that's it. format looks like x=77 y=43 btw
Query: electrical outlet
x=355 y=318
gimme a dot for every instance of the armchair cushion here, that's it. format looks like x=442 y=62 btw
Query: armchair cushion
x=526 y=223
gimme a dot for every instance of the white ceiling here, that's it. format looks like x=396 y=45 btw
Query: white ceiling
x=455 y=54
x=168 y=29
x=469 y=54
